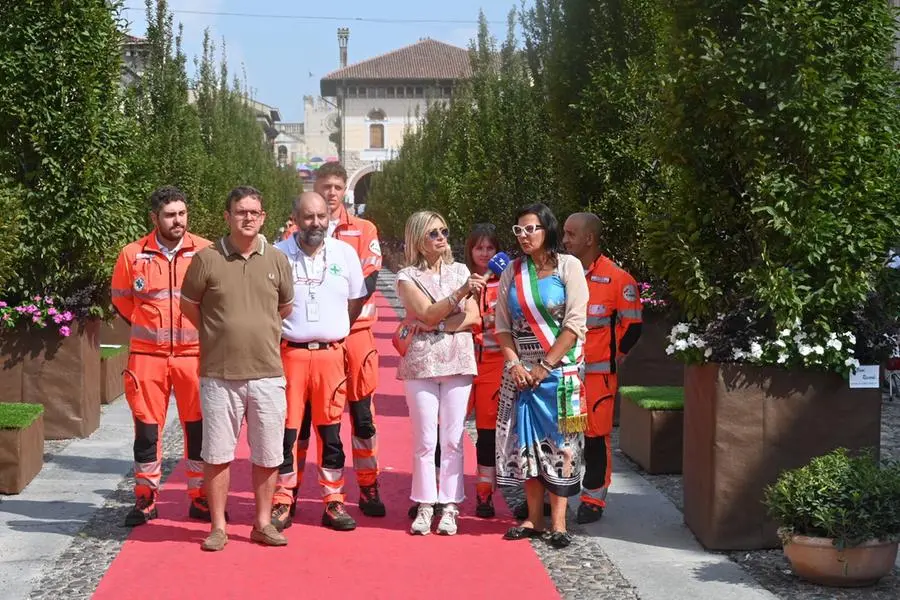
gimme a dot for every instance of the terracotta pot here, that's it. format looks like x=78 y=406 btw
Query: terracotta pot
x=817 y=560
x=744 y=425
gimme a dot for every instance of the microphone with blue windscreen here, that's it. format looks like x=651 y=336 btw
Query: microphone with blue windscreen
x=498 y=263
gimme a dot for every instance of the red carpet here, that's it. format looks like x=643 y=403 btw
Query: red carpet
x=377 y=560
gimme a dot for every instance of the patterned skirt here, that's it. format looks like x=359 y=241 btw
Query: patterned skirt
x=529 y=443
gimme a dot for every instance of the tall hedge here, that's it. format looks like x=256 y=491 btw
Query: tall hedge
x=781 y=124
x=65 y=145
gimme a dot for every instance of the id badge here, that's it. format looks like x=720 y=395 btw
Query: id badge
x=312 y=312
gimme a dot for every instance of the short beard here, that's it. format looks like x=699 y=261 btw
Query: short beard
x=312 y=236
x=169 y=238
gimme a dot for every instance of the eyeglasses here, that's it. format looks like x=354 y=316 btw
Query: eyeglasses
x=443 y=232
x=529 y=229
x=250 y=215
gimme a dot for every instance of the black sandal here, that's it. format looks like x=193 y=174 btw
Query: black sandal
x=559 y=539
x=521 y=533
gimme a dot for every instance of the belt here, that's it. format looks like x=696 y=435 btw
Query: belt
x=311 y=345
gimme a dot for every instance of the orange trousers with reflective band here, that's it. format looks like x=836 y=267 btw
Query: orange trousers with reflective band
x=362 y=380
x=316 y=381
x=149 y=381
x=485 y=400
x=601 y=391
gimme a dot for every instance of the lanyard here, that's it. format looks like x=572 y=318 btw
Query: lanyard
x=311 y=284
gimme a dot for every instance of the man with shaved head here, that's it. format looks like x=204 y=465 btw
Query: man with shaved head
x=329 y=292
x=614 y=326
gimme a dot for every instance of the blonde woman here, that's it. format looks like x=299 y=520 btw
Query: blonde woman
x=438 y=366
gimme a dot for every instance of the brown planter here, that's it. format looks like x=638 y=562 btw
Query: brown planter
x=744 y=425
x=111 y=383
x=648 y=364
x=652 y=438
x=116 y=332
x=63 y=374
x=21 y=456
x=817 y=560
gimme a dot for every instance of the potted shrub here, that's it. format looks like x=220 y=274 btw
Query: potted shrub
x=21 y=445
x=839 y=518
x=651 y=427
x=113 y=360
x=784 y=159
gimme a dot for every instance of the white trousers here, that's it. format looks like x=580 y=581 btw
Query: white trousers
x=439 y=402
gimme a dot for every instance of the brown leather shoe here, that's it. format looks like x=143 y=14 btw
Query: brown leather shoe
x=268 y=536
x=215 y=541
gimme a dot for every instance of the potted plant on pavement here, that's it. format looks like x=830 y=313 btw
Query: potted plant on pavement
x=839 y=518
x=785 y=163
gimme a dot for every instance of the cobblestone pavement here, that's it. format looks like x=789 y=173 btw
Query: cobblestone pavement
x=77 y=572
x=770 y=567
x=582 y=571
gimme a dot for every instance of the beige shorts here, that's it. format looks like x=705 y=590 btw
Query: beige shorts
x=226 y=403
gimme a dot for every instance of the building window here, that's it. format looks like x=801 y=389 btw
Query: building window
x=446 y=91
x=351 y=91
x=400 y=93
x=376 y=114
x=409 y=91
x=380 y=92
x=376 y=135
x=420 y=93
x=391 y=93
x=282 y=155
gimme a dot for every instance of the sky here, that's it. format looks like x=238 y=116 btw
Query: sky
x=285 y=57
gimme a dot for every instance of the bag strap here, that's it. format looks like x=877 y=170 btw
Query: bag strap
x=422 y=287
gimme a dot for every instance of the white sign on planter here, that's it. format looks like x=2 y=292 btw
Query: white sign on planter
x=866 y=376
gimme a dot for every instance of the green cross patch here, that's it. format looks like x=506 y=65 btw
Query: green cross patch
x=335 y=269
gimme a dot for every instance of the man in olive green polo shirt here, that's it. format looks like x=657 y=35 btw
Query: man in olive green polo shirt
x=237 y=291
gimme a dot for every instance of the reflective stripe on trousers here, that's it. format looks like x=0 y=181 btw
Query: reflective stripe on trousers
x=332 y=482
x=365 y=459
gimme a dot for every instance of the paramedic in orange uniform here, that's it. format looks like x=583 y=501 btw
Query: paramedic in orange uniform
x=362 y=357
x=614 y=326
x=329 y=292
x=481 y=246
x=164 y=350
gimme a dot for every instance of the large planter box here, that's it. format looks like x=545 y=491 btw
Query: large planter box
x=648 y=364
x=21 y=445
x=744 y=425
x=63 y=374
x=116 y=332
x=652 y=437
x=112 y=362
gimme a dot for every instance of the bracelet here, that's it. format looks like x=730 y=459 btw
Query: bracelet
x=453 y=300
x=510 y=364
x=544 y=363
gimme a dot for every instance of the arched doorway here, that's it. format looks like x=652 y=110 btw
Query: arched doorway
x=361 y=190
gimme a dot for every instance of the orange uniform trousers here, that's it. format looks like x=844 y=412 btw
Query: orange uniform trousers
x=362 y=380
x=317 y=388
x=149 y=381
x=601 y=393
x=485 y=399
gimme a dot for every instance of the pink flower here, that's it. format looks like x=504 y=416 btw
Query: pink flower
x=51 y=311
x=58 y=319
x=37 y=298
x=31 y=309
x=3 y=304
x=48 y=300
x=36 y=319
x=65 y=331
x=67 y=316
x=20 y=309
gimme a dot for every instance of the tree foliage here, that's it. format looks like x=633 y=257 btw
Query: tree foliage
x=781 y=125
x=66 y=143
x=481 y=157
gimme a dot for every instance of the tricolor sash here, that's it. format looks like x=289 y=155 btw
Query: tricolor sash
x=570 y=396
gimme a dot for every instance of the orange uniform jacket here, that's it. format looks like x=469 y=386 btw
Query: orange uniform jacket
x=363 y=236
x=614 y=304
x=146 y=291
x=483 y=332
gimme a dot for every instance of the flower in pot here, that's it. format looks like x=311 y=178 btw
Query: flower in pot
x=839 y=517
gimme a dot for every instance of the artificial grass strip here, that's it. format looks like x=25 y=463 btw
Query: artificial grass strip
x=18 y=415
x=107 y=352
x=655 y=398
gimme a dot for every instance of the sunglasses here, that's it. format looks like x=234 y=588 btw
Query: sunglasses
x=529 y=229
x=435 y=233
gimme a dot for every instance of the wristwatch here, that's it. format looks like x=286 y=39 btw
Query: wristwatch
x=441 y=327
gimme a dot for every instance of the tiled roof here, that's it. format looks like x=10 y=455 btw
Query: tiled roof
x=425 y=60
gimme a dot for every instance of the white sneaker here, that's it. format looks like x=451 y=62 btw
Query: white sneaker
x=422 y=523
x=447 y=526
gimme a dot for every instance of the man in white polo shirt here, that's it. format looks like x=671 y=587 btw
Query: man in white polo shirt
x=329 y=292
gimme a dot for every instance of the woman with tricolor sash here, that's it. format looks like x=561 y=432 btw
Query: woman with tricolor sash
x=540 y=325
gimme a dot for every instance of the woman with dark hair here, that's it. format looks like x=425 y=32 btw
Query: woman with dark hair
x=481 y=246
x=540 y=325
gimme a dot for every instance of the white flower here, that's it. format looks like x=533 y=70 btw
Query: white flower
x=780 y=343
x=785 y=333
x=818 y=349
x=782 y=358
x=852 y=363
x=708 y=352
x=756 y=350
x=670 y=349
x=805 y=350
x=835 y=343
x=681 y=345
x=681 y=328
x=797 y=323
x=850 y=338
x=738 y=354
